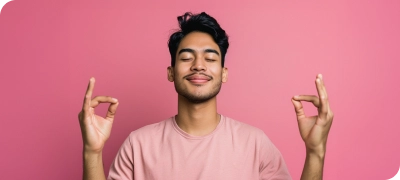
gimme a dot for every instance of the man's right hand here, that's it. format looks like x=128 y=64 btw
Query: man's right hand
x=96 y=129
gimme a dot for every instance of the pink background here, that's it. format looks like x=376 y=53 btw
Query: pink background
x=49 y=50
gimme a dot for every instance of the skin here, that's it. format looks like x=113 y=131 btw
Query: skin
x=95 y=132
x=197 y=76
x=314 y=130
x=201 y=117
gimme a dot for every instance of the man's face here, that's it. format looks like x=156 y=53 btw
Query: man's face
x=198 y=73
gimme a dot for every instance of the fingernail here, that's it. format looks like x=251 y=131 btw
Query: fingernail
x=296 y=96
x=115 y=100
x=320 y=76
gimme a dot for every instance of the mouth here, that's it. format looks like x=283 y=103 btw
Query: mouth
x=198 y=78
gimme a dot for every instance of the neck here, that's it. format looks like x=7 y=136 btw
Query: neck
x=197 y=119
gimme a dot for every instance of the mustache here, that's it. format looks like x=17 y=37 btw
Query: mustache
x=198 y=74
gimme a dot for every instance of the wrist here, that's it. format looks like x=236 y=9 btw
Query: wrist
x=92 y=160
x=318 y=152
x=91 y=153
x=91 y=150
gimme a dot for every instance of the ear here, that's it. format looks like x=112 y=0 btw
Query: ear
x=224 y=74
x=170 y=71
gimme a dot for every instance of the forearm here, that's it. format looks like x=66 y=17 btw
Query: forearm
x=313 y=166
x=93 y=166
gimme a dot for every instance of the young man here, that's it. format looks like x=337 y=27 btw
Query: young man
x=199 y=143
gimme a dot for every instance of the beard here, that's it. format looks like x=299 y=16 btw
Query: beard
x=198 y=97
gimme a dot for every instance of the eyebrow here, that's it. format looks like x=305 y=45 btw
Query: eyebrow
x=192 y=51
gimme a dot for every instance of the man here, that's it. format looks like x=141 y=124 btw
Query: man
x=199 y=143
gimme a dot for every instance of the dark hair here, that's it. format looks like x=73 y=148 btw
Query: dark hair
x=198 y=22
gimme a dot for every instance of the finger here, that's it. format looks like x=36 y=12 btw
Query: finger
x=323 y=98
x=88 y=95
x=329 y=111
x=298 y=108
x=309 y=98
x=322 y=81
x=102 y=99
x=112 y=109
x=324 y=89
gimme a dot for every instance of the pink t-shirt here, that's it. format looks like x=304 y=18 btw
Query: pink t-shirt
x=163 y=151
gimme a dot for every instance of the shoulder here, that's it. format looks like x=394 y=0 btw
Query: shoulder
x=247 y=133
x=250 y=135
x=243 y=128
x=151 y=130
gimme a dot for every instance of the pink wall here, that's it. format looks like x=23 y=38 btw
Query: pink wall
x=50 y=49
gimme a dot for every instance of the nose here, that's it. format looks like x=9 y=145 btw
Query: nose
x=198 y=65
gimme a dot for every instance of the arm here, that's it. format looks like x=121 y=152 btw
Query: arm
x=95 y=132
x=93 y=166
x=313 y=166
x=272 y=164
x=314 y=130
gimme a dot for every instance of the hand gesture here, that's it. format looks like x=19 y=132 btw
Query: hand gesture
x=96 y=129
x=314 y=129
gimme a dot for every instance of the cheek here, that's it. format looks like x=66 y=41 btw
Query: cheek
x=216 y=71
x=179 y=73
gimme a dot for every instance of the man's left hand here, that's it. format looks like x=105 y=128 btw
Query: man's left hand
x=314 y=130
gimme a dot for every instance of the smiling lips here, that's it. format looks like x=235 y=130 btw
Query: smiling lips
x=198 y=79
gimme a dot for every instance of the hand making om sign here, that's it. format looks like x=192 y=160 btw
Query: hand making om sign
x=314 y=129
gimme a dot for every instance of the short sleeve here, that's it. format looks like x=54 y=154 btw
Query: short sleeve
x=122 y=167
x=272 y=164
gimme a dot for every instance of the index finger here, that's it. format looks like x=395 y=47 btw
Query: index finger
x=88 y=95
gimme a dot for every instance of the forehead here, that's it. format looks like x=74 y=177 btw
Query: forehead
x=198 y=41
